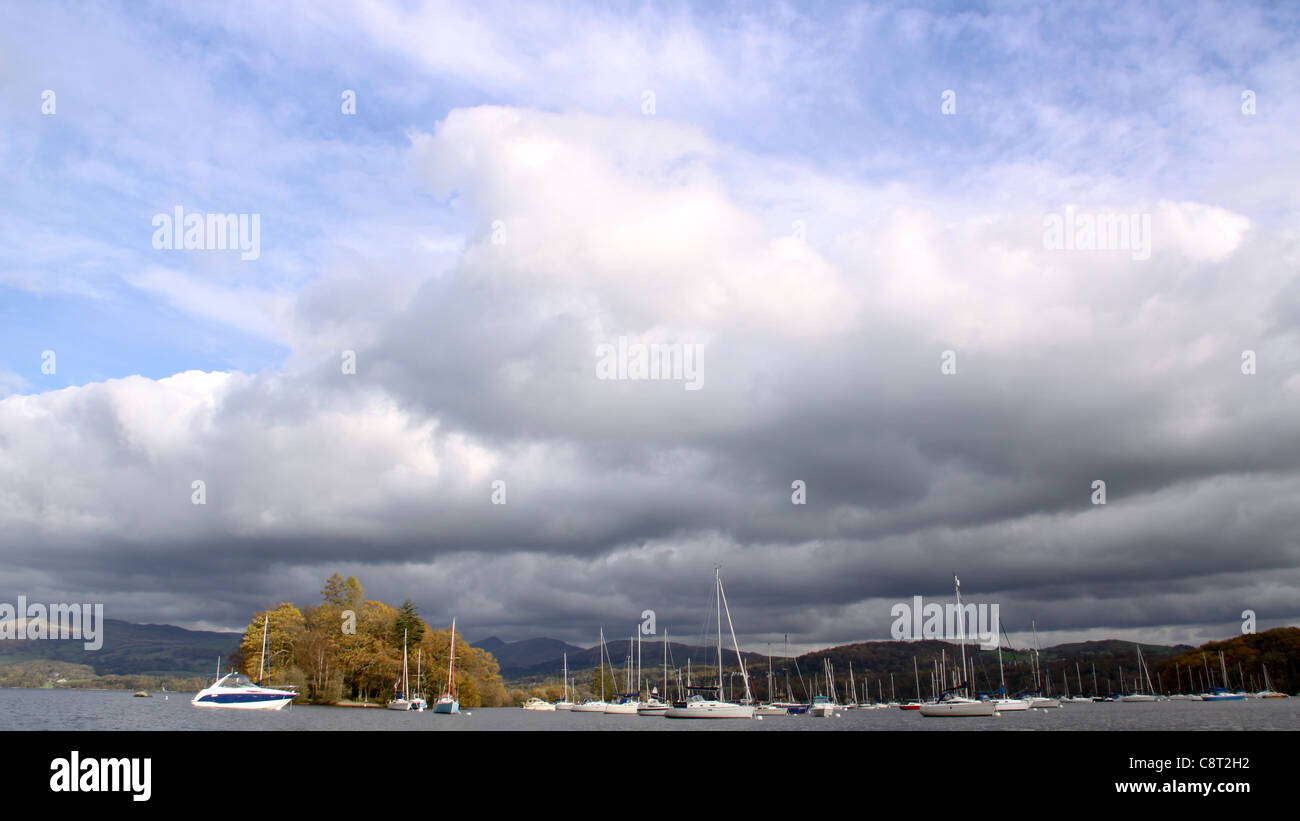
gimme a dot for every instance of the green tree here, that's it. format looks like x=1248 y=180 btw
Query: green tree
x=408 y=624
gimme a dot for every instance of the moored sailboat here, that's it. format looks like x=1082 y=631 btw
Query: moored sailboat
x=449 y=702
x=697 y=706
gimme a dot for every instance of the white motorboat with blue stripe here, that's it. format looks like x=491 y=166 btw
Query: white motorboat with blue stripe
x=236 y=691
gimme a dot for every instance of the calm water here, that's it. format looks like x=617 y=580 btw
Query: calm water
x=118 y=710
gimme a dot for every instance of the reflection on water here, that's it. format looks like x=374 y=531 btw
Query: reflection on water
x=118 y=710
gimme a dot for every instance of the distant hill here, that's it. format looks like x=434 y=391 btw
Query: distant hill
x=130 y=649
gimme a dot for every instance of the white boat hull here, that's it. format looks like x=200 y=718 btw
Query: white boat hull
x=959 y=709
x=1011 y=705
x=711 y=709
x=1044 y=703
x=627 y=708
x=590 y=707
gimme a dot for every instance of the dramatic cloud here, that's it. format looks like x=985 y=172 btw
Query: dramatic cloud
x=882 y=315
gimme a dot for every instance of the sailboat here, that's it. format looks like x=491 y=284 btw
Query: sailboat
x=1005 y=704
x=697 y=706
x=1036 y=699
x=449 y=702
x=627 y=702
x=823 y=705
x=1223 y=693
x=1136 y=695
x=591 y=705
x=565 y=703
x=951 y=704
x=403 y=701
x=1268 y=691
x=654 y=706
x=916 y=672
x=770 y=708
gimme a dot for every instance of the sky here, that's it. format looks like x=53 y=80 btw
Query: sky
x=845 y=209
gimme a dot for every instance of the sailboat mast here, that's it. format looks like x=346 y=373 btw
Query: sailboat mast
x=740 y=659
x=717 y=584
x=406 y=673
x=261 y=666
x=451 y=665
x=1002 y=676
x=602 y=663
x=961 y=632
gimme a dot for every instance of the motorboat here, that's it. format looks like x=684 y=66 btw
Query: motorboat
x=537 y=705
x=235 y=691
x=822 y=707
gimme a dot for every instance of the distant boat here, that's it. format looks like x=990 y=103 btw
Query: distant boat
x=958 y=707
x=952 y=705
x=537 y=705
x=564 y=703
x=142 y=694
x=1142 y=673
x=625 y=704
x=697 y=706
x=403 y=701
x=449 y=702
x=1223 y=693
x=822 y=706
x=653 y=706
x=591 y=705
x=1268 y=691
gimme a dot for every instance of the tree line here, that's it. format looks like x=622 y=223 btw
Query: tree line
x=349 y=649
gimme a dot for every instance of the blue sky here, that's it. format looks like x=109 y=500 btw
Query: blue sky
x=923 y=233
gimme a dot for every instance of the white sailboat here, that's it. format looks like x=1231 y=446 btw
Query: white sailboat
x=1137 y=694
x=696 y=706
x=1006 y=704
x=959 y=706
x=654 y=706
x=402 y=701
x=591 y=705
x=449 y=702
x=1268 y=691
x=565 y=703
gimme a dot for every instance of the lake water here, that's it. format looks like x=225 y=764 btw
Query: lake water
x=119 y=710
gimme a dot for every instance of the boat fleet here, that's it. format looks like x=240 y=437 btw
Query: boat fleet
x=706 y=700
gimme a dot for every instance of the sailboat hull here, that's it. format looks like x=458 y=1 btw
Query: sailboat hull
x=446 y=708
x=708 y=709
x=959 y=709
